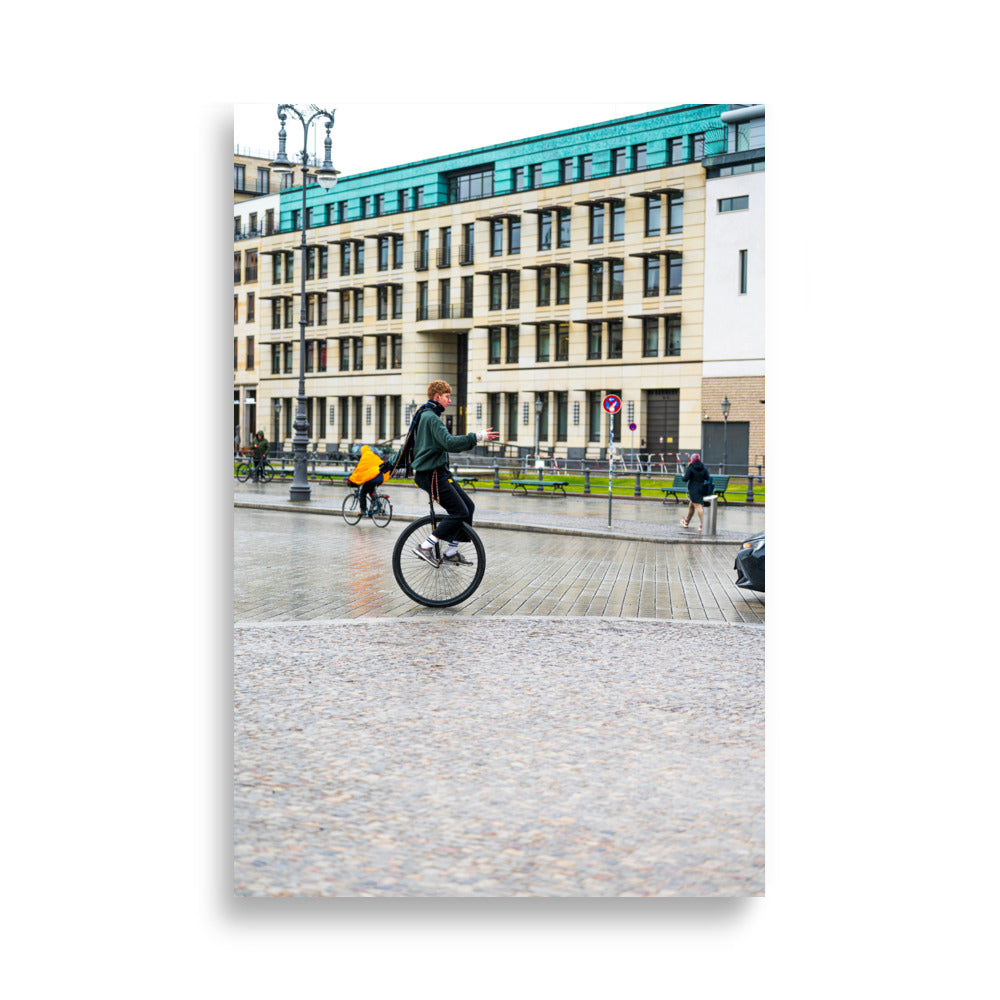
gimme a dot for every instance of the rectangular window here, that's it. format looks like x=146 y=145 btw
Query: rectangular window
x=496 y=291
x=380 y=204
x=239 y=176
x=275 y=314
x=287 y=357
x=310 y=354
x=418 y=197
x=321 y=308
x=288 y=312
x=615 y=338
x=404 y=200
x=697 y=146
x=397 y=252
x=513 y=290
x=617 y=220
x=444 y=298
x=471 y=184
x=544 y=286
x=586 y=167
x=494 y=345
x=397 y=301
x=345 y=359
x=566 y=170
x=345 y=258
x=468 y=243
x=675 y=150
x=535 y=174
x=517 y=179
x=650 y=336
x=345 y=410
x=423 y=250
x=562 y=341
x=382 y=302
x=595 y=281
x=513 y=236
x=321 y=412
x=743 y=272
x=596 y=223
x=263 y=180
x=618 y=161
x=672 y=340
x=594 y=412
x=276 y=359
x=562 y=284
x=421 y=300
x=734 y=204
x=359 y=257
x=310 y=263
x=467 y=296
x=542 y=341
x=269 y=222
x=364 y=207
x=651 y=276
x=674 y=274
x=593 y=341
x=237 y=234
x=496 y=237
x=359 y=304
x=444 y=247
x=296 y=215
x=562 y=416
x=639 y=157
x=358 y=350
x=652 y=220
x=236 y=309
x=382 y=351
x=345 y=306
x=543 y=417
x=324 y=257
x=383 y=253
x=250 y=354
x=513 y=344
x=616 y=277
x=545 y=230
x=564 y=227
x=396 y=345
x=511 y=405
x=310 y=310
x=675 y=212
x=321 y=355
x=237 y=267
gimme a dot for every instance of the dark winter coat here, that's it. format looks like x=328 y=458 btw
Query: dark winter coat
x=432 y=442
x=259 y=446
x=696 y=477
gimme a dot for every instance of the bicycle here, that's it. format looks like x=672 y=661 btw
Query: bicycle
x=379 y=507
x=448 y=583
x=245 y=470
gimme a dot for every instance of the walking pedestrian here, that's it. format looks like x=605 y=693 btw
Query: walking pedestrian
x=699 y=486
x=259 y=453
x=425 y=451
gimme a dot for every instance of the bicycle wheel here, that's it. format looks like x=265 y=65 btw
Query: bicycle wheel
x=382 y=514
x=243 y=472
x=351 y=508
x=268 y=474
x=444 y=585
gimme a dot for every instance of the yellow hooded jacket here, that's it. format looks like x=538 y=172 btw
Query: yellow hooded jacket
x=367 y=467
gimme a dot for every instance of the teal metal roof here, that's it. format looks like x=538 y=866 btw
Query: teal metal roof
x=652 y=128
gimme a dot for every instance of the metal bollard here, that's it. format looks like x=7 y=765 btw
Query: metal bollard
x=586 y=480
x=496 y=476
x=638 y=485
x=750 y=489
x=710 y=505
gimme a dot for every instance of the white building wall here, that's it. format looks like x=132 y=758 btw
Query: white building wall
x=734 y=323
x=260 y=205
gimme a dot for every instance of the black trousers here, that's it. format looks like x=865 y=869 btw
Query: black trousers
x=452 y=497
x=368 y=488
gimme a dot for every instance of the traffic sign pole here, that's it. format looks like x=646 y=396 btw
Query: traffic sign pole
x=612 y=404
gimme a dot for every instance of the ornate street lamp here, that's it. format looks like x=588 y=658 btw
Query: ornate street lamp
x=326 y=177
x=725 y=433
x=539 y=406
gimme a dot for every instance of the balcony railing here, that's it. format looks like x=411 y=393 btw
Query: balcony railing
x=444 y=257
x=254 y=233
x=420 y=260
x=466 y=254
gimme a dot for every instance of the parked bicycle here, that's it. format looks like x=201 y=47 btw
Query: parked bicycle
x=245 y=470
x=453 y=580
x=379 y=507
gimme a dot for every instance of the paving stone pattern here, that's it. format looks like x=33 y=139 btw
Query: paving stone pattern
x=486 y=756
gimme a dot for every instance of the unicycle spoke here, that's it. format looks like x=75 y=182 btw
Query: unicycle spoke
x=452 y=582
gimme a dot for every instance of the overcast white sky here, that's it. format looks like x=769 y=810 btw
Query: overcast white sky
x=367 y=136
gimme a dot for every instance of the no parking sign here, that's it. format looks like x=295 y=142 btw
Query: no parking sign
x=612 y=403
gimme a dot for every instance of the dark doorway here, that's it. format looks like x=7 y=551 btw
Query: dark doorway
x=731 y=443
x=662 y=409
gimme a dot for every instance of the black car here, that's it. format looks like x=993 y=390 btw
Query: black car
x=749 y=563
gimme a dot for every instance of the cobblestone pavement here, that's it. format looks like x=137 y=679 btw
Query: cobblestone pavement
x=589 y=723
x=499 y=757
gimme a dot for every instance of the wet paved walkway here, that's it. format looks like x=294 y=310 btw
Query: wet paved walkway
x=589 y=723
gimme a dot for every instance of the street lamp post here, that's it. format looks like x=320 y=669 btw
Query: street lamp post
x=725 y=433
x=326 y=176
x=539 y=406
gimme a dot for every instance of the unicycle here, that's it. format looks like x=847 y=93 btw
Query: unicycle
x=451 y=581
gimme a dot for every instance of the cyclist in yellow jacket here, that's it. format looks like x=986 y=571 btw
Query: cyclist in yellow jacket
x=370 y=472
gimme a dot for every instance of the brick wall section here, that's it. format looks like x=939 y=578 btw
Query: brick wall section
x=745 y=394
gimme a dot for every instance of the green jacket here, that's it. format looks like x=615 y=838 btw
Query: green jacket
x=259 y=447
x=432 y=442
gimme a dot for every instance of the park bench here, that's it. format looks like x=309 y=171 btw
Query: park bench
x=678 y=486
x=556 y=484
x=469 y=481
